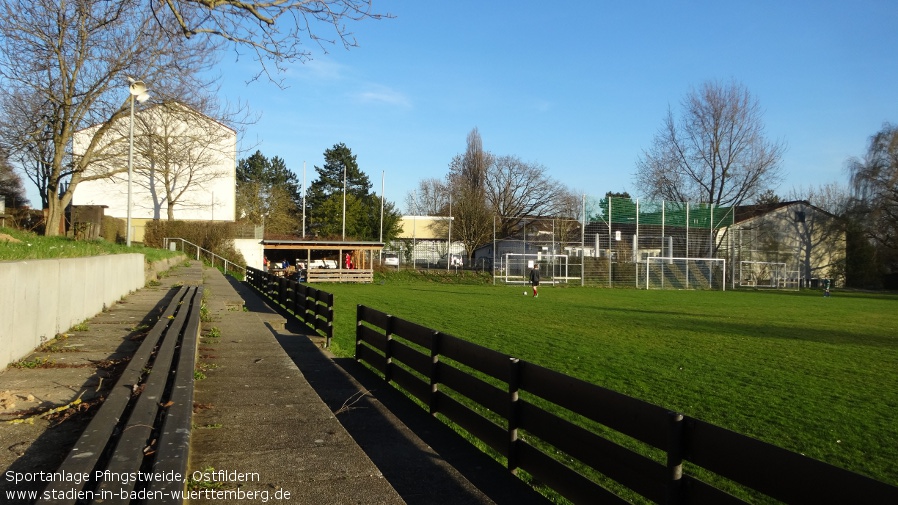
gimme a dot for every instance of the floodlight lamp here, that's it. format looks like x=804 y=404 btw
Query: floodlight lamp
x=138 y=89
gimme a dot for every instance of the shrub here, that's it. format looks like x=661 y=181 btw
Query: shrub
x=212 y=236
x=113 y=230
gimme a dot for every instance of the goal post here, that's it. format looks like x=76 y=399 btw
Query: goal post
x=767 y=274
x=685 y=273
x=553 y=268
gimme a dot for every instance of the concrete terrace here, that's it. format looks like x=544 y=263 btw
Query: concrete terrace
x=275 y=414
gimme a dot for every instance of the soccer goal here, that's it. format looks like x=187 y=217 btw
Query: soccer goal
x=685 y=273
x=767 y=274
x=553 y=268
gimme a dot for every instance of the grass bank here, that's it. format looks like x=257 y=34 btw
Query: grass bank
x=29 y=246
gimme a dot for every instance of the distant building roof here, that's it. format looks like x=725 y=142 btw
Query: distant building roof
x=746 y=212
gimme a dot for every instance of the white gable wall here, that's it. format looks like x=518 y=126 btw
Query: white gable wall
x=213 y=199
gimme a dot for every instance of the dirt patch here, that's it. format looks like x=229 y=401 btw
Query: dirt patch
x=9 y=399
x=8 y=238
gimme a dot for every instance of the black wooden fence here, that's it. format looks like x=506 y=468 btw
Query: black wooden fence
x=313 y=307
x=694 y=462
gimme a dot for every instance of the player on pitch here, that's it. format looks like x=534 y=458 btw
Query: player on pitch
x=534 y=279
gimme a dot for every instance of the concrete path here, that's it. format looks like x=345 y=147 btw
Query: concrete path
x=256 y=415
x=422 y=459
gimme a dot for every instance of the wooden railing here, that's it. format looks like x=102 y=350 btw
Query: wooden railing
x=339 y=275
x=524 y=412
x=313 y=307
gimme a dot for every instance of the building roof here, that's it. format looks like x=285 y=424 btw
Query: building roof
x=746 y=212
x=321 y=245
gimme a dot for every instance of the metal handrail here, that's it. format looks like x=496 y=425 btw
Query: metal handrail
x=169 y=240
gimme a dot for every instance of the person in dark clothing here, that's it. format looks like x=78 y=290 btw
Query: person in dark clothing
x=534 y=279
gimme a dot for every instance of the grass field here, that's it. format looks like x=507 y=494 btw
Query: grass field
x=811 y=374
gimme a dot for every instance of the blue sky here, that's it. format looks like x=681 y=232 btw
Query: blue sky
x=580 y=87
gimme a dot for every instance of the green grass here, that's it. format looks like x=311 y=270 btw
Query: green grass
x=814 y=375
x=35 y=362
x=32 y=246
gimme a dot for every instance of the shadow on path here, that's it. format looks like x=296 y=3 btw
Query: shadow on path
x=422 y=458
x=55 y=439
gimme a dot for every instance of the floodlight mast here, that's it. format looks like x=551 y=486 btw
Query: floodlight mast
x=138 y=91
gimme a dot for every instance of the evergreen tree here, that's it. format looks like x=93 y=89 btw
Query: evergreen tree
x=268 y=194
x=325 y=201
x=767 y=197
x=325 y=198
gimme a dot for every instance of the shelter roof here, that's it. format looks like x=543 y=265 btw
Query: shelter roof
x=329 y=245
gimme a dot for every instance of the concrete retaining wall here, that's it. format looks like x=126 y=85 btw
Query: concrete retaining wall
x=157 y=267
x=40 y=298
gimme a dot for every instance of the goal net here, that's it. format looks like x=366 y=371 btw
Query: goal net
x=767 y=274
x=553 y=268
x=685 y=273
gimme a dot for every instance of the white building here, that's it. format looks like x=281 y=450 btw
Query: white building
x=184 y=166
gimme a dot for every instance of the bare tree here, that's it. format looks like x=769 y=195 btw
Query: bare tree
x=569 y=214
x=12 y=192
x=178 y=152
x=874 y=181
x=472 y=220
x=832 y=197
x=516 y=190
x=35 y=155
x=430 y=198
x=716 y=153
x=484 y=192
x=821 y=230
x=64 y=65
x=274 y=30
x=874 y=184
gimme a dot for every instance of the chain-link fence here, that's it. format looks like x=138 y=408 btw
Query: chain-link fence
x=614 y=246
x=431 y=253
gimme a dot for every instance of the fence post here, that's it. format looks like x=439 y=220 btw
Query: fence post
x=295 y=304
x=514 y=384
x=358 y=329
x=270 y=282
x=302 y=304
x=330 y=319
x=675 y=458
x=291 y=296
x=282 y=291
x=388 y=354
x=435 y=341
